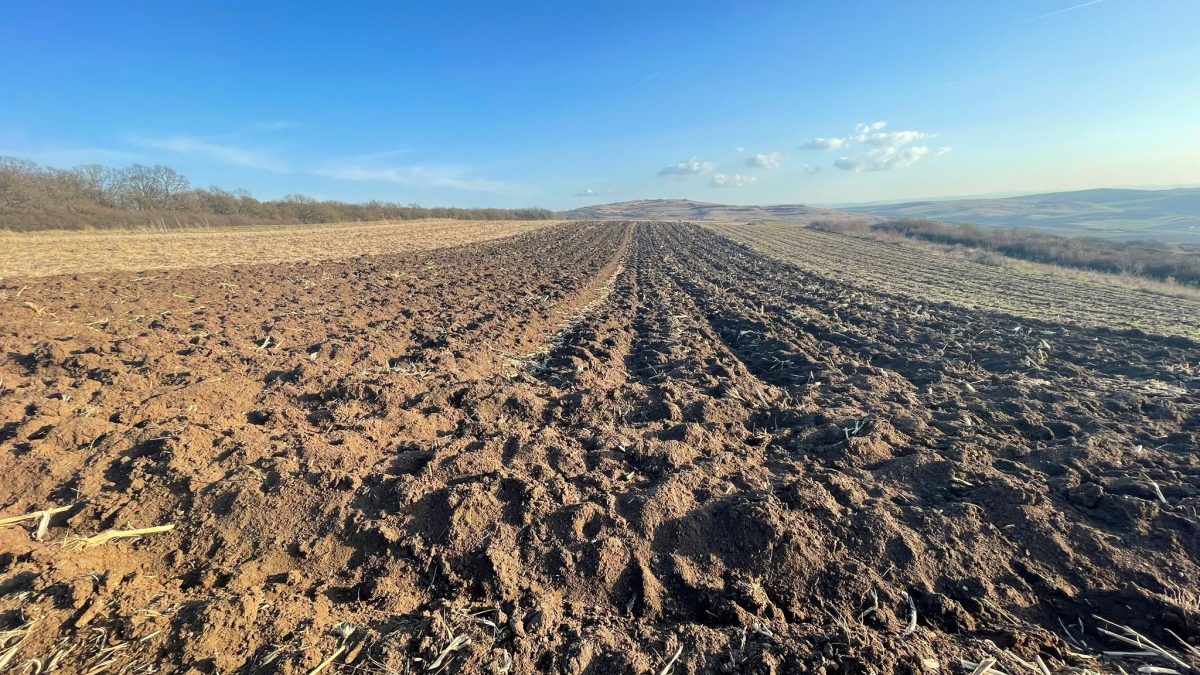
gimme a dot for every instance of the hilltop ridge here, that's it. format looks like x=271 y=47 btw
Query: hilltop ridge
x=686 y=209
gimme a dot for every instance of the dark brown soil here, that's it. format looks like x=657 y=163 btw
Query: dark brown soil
x=594 y=448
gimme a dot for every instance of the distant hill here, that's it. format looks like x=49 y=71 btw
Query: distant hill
x=1166 y=215
x=686 y=209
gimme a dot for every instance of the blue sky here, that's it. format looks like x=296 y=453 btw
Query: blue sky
x=566 y=104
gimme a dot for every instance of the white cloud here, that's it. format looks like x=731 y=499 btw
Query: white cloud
x=734 y=181
x=740 y=149
x=882 y=159
x=885 y=149
x=761 y=161
x=447 y=176
x=692 y=167
x=824 y=144
x=942 y=151
x=873 y=134
x=810 y=169
x=596 y=193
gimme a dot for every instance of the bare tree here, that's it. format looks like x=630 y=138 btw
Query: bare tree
x=16 y=178
x=154 y=187
x=99 y=183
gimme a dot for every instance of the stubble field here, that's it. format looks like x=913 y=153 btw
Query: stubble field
x=598 y=447
x=60 y=252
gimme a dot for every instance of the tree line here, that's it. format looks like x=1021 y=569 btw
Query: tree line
x=36 y=197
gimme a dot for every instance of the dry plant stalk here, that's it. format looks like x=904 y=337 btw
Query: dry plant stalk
x=1135 y=639
x=11 y=642
x=43 y=518
x=327 y=662
x=671 y=664
x=84 y=543
x=457 y=643
x=984 y=667
x=13 y=520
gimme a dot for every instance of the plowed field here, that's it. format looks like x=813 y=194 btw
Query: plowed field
x=596 y=447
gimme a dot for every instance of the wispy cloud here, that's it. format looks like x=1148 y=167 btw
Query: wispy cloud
x=225 y=153
x=255 y=129
x=722 y=180
x=456 y=177
x=372 y=156
x=240 y=147
x=1064 y=10
x=692 y=167
x=767 y=161
x=275 y=125
x=811 y=170
x=65 y=158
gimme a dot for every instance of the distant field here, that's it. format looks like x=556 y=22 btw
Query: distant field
x=1132 y=215
x=1175 y=265
x=46 y=253
x=1040 y=292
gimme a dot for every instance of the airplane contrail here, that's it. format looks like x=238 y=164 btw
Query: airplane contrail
x=1072 y=8
x=647 y=79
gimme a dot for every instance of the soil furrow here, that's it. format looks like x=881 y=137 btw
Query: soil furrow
x=584 y=449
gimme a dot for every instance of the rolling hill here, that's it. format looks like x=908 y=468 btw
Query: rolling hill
x=1167 y=215
x=686 y=209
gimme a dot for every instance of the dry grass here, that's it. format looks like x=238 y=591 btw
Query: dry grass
x=60 y=252
x=1145 y=648
x=993 y=259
